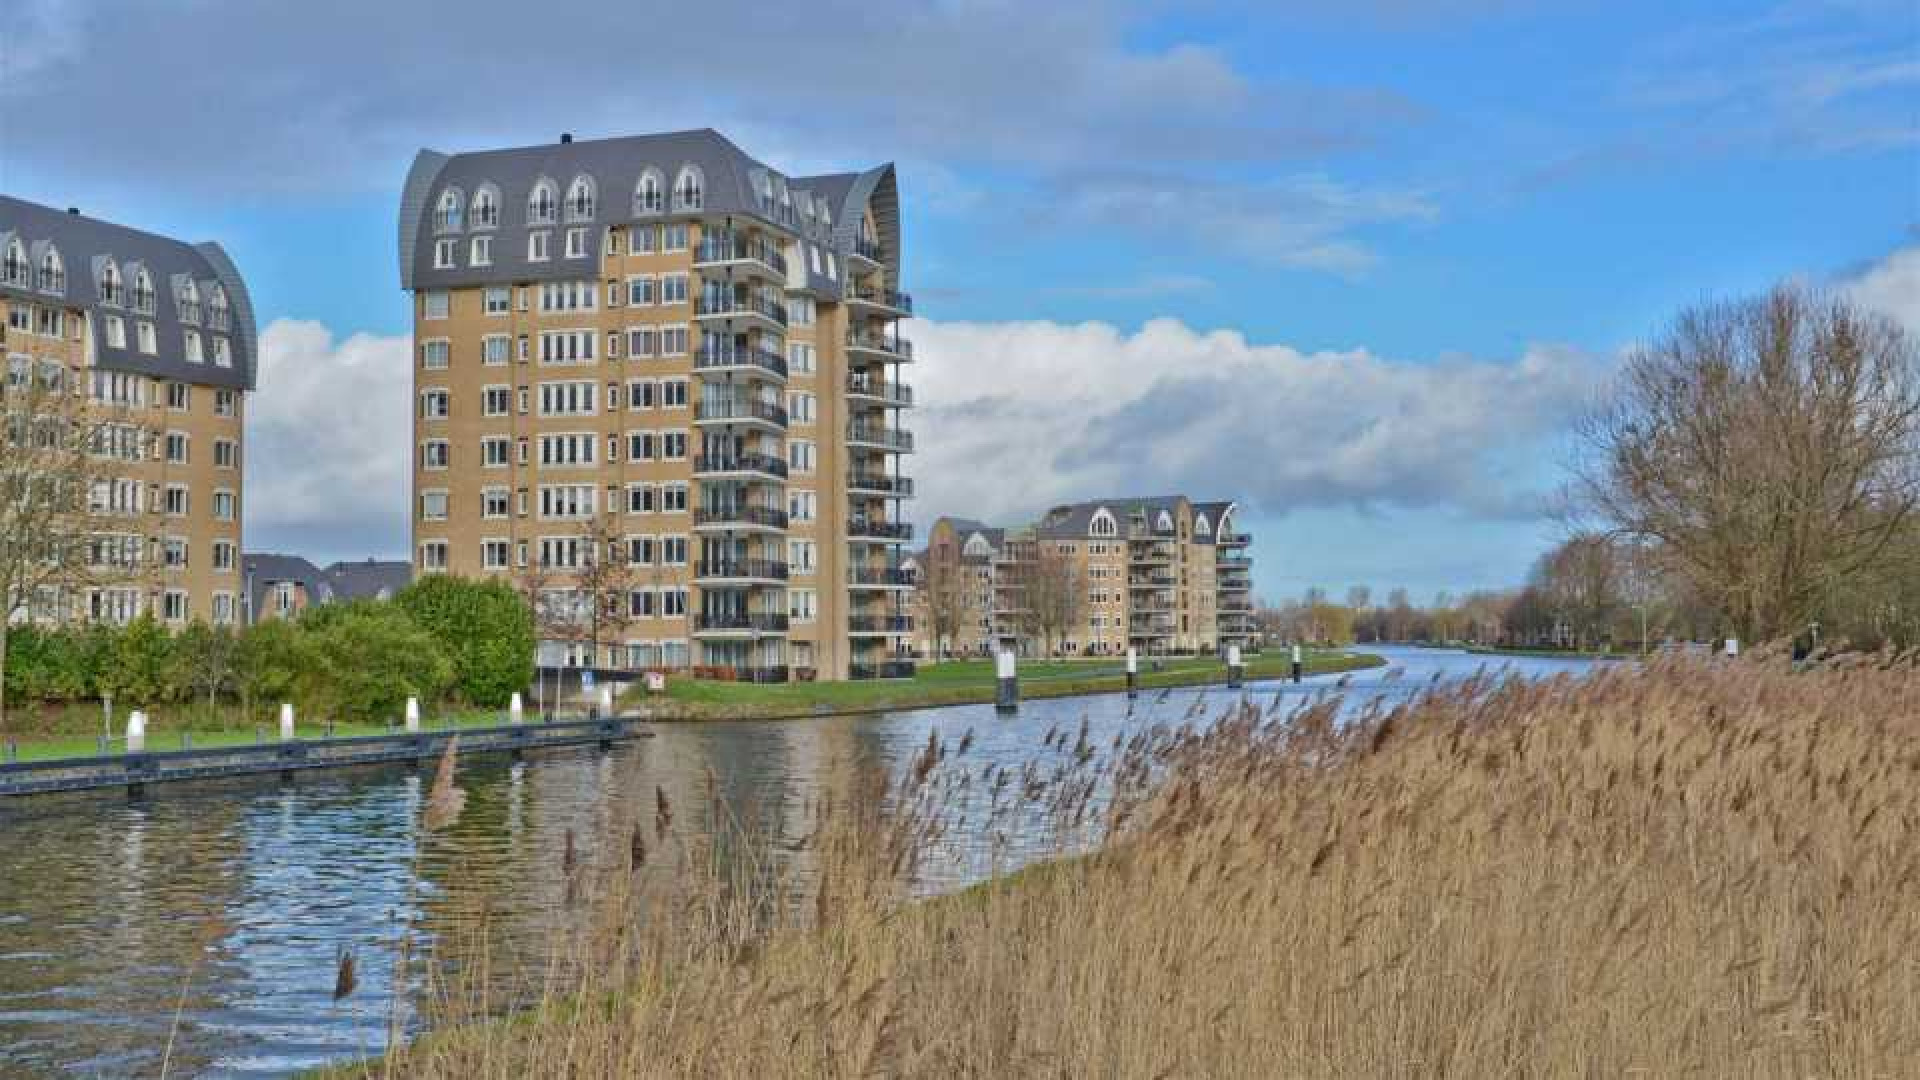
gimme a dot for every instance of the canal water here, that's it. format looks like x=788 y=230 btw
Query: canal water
x=203 y=923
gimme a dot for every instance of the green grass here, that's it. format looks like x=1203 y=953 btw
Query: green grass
x=164 y=736
x=960 y=682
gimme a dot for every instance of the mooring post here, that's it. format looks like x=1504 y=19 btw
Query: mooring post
x=136 y=732
x=286 y=721
x=186 y=740
x=1133 y=672
x=606 y=701
x=1007 y=691
x=1236 y=671
x=516 y=710
x=413 y=715
x=1733 y=648
x=1296 y=663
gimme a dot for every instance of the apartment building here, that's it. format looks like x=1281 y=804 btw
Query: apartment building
x=160 y=334
x=1162 y=575
x=659 y=356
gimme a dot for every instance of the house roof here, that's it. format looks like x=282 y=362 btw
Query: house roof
x=87 y=246
x=341 y=581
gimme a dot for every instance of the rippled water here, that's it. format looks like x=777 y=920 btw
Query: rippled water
x=211 y=915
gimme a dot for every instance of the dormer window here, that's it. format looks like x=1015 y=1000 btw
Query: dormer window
x=13 y=268
x=447 y=216
x=486 y=208
x=649 y=196
x=143 y=292
x=689 y=191
x=111 y=290
x=580 y=199
x=53 y=272
x=188 y=301
x=221 y=311
x=541 y=205
x=191 y=342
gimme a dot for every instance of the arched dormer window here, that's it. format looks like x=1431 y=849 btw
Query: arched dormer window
x=542 y=205
x=111 y=291
x=53 y=272
x=486 y=208
x=690 y=190
x=449 y=213
x=1164 y=523
x=220 y=310
x=580 y=199
x=13 y=268
x=1200 y=526
x=650 y=194
x=826 y=215
x=1103 y=524
x=143 y=291
x=187 y=298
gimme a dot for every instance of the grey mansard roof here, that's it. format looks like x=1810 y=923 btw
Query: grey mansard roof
x=86 y=246
x=371 y=579
x=732 y=186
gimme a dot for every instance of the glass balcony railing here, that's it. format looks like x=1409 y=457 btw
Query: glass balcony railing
x=733 y=463
x=713 y=357
x=765 y=516
x=723 y=411
x=895 y=439
x=901 y=486
x=707 y=622
x=892 y=393
x=879 y=530
x=769 y=569
x=716 y=305
x=879 y=624
x=891 y=344
x=887 y=298
x=725 y=247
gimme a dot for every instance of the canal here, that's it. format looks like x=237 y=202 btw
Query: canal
x=204 y=922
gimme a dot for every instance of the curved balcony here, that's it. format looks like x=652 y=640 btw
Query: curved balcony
x=740 y=359
x=880 y=485
x=748 y=413
x=741 y=571
x=739 y=624
x=1233 y=539
x=747 y=466
x=879 y=625
x=891 y=302
x=893 y=440
x=868 y=251
x=882 y=577
x=767 y=518
x=891 y=394
x=765 y=313
x=889 y=347
x=749 y=254
x=883 y=532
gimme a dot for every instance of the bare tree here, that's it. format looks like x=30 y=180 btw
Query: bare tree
x=950 y=594
x=1054 y=596
x=602 y=586
x=1581 y=580
x=1771 y=447
x=59 y=456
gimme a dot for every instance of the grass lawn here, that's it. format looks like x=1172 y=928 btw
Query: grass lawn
x=958 y=682
x=162 y=736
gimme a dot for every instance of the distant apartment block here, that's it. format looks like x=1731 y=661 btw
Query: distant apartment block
x=161 y=333
x=1162 y=575
x=659 y=352
x=282 y=586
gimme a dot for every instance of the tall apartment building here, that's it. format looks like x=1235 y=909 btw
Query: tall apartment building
x=1162 y=575
x=663 y=343
x=161 y=332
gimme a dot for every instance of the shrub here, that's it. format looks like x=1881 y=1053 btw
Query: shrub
x=484 y=628
x=361 y=661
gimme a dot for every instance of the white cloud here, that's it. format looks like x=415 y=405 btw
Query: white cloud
x=1023 y=415
x=1892 y=287
x=328 y=444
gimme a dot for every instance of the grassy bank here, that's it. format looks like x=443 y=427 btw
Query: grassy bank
x=1695 y=869
x=74 y=731
x=961 y=682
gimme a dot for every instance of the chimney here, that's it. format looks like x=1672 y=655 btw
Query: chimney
x=566 y=137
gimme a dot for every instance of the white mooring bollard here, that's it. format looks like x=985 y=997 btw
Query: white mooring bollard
x=1133 y=672
x=1296 y=663
x=286 y=721
x=516 y=710
x=1236 y=672
x=413 y=715
x=1733 y=647
x=606 y=701
x=136 y=732
x=1007 y=687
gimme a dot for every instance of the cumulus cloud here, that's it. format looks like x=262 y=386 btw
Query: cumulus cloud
x=328 y=437
x=1024 y=415
x=1891 y=286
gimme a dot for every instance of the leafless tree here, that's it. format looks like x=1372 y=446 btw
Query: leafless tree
x=950 y=595
x=1770 y=447
x=1054 y=596
x=59 y=455
x=603 y=585
x=1581 y=580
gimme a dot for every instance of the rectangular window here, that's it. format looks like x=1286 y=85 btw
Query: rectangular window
x=496 y=400
x=223 y=555
x=575 y=398
x=673 y=393
x=497 y=299
x=493 y=502
x=173 y=605
x=673 y=288
x=567 y=346
x=642 y=604
x=493 y=554
x=116 y=332
x=494 y=451
x=673 y=551
x=433 y=354
x=801 y=604
x=673 y=498
x=646 y=239
x=494 y=349
x=643 y=341
x=801 y=555
x=800 y=407
x=173 y=551
x=673 y=445
x=673 y=341
x=434 y=454
x=538 y=246
x=566 y=502
x=433 y=506
x=443 y=253
x=640 y=394
x=576 y=243
x=434 y=404
x=225 y=506
x=434 y=304
x=222 y=353
x=566 y=450
x=190 y=340
x=225 y=402
x=223 y=609
x=176 y=447
x=673 y=238
x=174 y=501
x=641 y=446
x=801 y=505
x=482 y=251
x=433 y=555
x=641 y=499
x=642 y=291
x=567 y=296
x=800 y=455
x=673 y=603
x=800 y=358
x=179 y=396
x=149 y=341
x=226 y=454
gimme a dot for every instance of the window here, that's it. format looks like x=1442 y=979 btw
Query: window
x=494 y=349
x=673 y=551
x=802 y=505
x=434 y=454
x=800 y=455
x=673 y=341
x=13 y=268
x=443 y=253
x=673 y=393
x=176 y=447
x=225 y=506
x=223 y=552
x=612 y=243
x=174 y=500
x=493 y=554
x=482 y=251
x=567 y=346
x=486 y=207
x=226 y=454
x=225 y=402
x=433 y=304
x=673 y=499
x=801 y=556
x=190 y=340
x=673 y=238
x=433 y=506
x=493 y=502
x=179 y=396
x=446 y=215
x=222 y=353
x=434 y=404
x=221 y=310
x=643 y=341
x=566 y=450
x=800 y=358
x=642 y=291
x=111 y=291
x=640 y=394
x=173 y=605
x=673 y=288
x=494 y=450
x=563 y=552
x=433 y=555
x=496 y=400
x=575 y=398
x=539 y=245
x=800 y=310
x=642 y=604
x=580 y=199
x=576 y=243
x=567 y=502
x=673 y=445
x=801 y=407
x=801 y=604
x=641 y=499
x=568 y=296
x=642 y=446
x=649 y=195
x=223 y=609
x=541 y=204
x=434 y=354
x=148 y=340
x=143 y=294
x=497 y=298
x=173 y=551
x=689 y=189
x=53 y=272
x=673 y=602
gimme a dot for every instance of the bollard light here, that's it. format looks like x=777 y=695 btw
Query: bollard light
x=516 y=709
x=1007 y=684
x=136 y=732
x=1733 y=646
x=286 y=721
x=413 y=715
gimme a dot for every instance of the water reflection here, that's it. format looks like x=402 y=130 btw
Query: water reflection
x=209 y=916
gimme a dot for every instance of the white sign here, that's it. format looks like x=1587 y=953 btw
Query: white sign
x=656 y=681
x=586 y=679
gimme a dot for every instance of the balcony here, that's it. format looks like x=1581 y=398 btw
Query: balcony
x=1162 y=601
x=885 y=346
x=884 y=577
x=1236 y=607
x=886 y=669
x=744 y=359
x=766 y=571
x=1236 y=585
x=1157 y=579
x=867 y=250
x=749 y=465
x=887 y=487
x=753 y=413
x=1149 y=628
x=890 y=301
x=738 y=623
x=1228 y=560
x=740 y=517
x=896 y=395
x=879 y=625
x=1233 y=539
x=893 y=440
x=752 y=309
x=751 y=253
x=1151 y=555
x=886 y=532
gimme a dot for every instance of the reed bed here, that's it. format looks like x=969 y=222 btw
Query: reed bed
x=1688 y=869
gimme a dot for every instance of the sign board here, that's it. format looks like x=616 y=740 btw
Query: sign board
x=656 y=681
x=586 y=679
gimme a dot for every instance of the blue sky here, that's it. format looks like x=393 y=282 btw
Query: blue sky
x=1417 y=234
